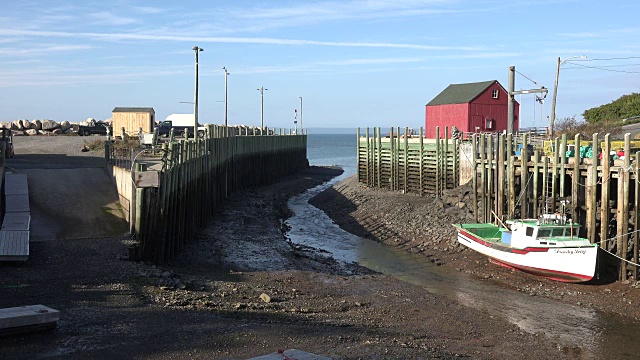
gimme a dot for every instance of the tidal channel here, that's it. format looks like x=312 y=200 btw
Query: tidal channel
x=583 y=332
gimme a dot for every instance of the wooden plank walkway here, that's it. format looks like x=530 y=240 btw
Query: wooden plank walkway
x=18 y=320
x=16 y=221
x=291 y=354
x=14 y=245
x=16 y=184
x=17 y=203
x=14 y=233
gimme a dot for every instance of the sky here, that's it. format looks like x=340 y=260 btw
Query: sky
x=354 y=63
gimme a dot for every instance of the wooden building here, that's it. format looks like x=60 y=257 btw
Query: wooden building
x=132 y=119
x=473 y=108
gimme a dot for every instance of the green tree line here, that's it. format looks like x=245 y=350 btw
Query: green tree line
x=625 y=107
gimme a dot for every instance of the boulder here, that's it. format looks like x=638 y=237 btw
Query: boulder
x=65 y=125
x=17 y=132
x=5 y=125
x=67 y=131
x=38 y=124
x=42 y=132
x=31 y=132
x=26 y=124
x=16 y=125
x=56 y=131
x=49 y=125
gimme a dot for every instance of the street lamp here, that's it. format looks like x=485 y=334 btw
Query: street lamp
x=555 y=91
x=300 y=113
x=226 y=73
x=261 y=89
x=195 y=101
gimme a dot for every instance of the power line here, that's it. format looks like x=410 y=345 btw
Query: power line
x=601 y=68
x=608 y=66
x=526 y=77
x=607 y=59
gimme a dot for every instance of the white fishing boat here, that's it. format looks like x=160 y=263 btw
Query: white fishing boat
x=548 y=246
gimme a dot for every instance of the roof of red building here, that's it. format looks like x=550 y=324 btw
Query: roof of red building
x=461 y=93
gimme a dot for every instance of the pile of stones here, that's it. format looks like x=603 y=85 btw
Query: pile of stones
x=42 y=127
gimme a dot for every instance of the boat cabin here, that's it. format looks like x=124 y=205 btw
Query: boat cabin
x=537 y=233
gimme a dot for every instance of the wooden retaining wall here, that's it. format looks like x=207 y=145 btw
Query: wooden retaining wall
x=411 y=164
x=195 y=178
x=603 y=195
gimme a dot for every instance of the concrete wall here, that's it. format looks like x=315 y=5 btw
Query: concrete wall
x=126 y=194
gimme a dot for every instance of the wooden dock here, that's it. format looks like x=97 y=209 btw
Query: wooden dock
x=407 y=163
x=291 y=354
x=24 y=319
x=14 y=233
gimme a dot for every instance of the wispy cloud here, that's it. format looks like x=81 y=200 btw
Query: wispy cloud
x=108 y=18
x=372 y=61
x=60 y=76
x=39 y=49
x=234 y=40
x=289 y=15
x=148 y=10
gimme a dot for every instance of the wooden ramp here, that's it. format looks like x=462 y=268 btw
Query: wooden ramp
x=14 y=232
x=291 y=354
x=19 y=320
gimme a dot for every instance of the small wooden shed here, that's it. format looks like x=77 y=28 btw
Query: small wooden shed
x=132 y=119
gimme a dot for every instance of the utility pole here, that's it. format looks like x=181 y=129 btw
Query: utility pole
x=226 y=73
x=510 y=106
x=301 y=113
x=553 y=102
x=195 y=100
x=511 y=93
x=555 y=91
x=262 y=89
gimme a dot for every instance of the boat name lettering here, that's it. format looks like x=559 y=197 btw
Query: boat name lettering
x=570 y=251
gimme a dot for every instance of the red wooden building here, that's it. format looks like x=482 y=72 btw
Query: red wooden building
x=472 y=107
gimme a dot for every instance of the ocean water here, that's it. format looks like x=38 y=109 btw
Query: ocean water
x=333 y=149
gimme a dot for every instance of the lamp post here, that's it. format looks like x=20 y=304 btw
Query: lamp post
x=226 y=73
x=261 y=89
x=555 y=91
x=300 y=113
x=197 y=50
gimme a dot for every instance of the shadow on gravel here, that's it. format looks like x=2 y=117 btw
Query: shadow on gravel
x=55 y=161
x=332 y=201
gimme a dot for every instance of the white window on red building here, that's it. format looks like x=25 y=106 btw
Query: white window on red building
x=494 y=94
x=488 y=123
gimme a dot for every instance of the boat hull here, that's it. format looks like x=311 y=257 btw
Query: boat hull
x=566 y=264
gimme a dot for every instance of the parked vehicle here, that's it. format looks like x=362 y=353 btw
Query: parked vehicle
x=94 y=128
x=180 y=123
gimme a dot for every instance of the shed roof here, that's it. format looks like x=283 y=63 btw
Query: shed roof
x=461 y=93
x=134 y=109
